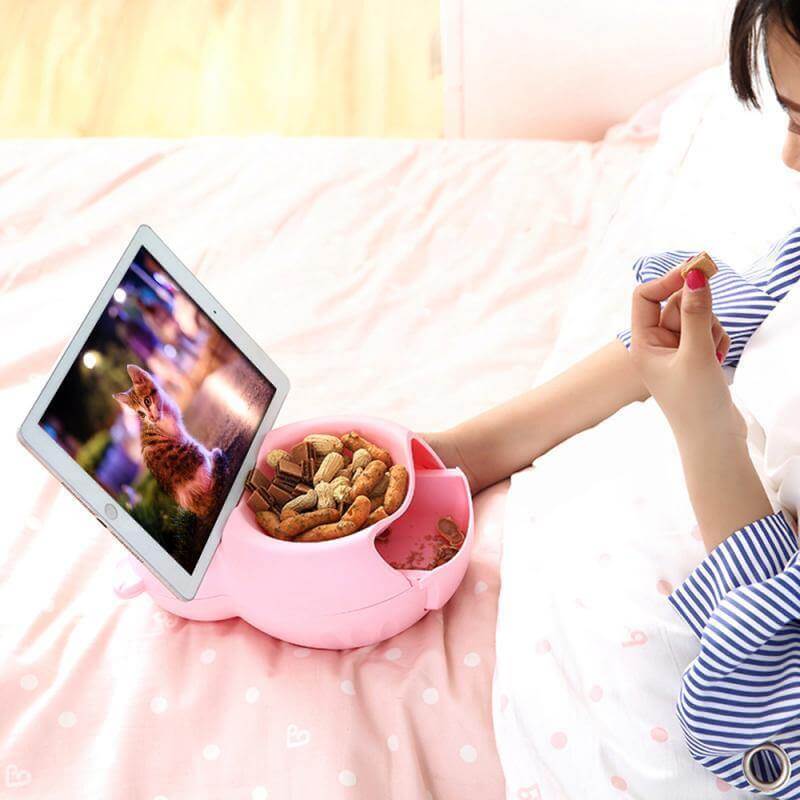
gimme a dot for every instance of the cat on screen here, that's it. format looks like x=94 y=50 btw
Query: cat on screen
x=187 y=471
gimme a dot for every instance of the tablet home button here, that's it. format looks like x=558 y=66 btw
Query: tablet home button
x=111 y=511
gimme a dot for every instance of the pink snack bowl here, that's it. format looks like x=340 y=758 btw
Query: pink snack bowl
x=338 y=594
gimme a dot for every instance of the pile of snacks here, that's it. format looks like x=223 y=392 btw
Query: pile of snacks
x=445 y=543
x=326 y=487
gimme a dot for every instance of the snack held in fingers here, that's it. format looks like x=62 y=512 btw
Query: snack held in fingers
x=701 y=261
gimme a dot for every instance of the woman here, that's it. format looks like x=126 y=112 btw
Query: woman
x=493 y=445
x=740 y=700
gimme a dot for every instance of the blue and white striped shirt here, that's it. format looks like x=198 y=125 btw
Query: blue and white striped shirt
x=743 y=689
x=743 y=600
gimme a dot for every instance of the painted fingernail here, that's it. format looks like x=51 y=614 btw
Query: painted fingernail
x=696 y=279
x=720 y=357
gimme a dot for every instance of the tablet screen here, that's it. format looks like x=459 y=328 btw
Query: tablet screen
x=160 y=408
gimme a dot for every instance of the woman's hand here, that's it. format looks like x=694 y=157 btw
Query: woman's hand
x=671 y=320
x=682 y=371
x=678 y=350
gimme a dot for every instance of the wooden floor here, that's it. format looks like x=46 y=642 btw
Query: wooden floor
x=218 y=67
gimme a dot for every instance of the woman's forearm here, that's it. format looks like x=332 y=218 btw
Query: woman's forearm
x=509 y=437
x=724 y=488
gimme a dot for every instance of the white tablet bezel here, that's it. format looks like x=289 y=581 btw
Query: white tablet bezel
x=83 y=486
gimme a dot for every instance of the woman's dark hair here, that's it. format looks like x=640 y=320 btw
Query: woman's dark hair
x=748 y=41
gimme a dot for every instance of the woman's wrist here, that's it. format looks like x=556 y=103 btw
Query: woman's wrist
x=724 y=487
x=710 y=448
x=721 y=425
x=448 y=446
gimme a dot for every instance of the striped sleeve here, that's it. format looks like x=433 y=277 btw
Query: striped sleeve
x=785 y=271
x=756 y=552
x=744 y=686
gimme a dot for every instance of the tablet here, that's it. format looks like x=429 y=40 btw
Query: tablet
x=155 y=411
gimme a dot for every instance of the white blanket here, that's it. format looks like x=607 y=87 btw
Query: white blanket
x=767 y=389
x=589 y=652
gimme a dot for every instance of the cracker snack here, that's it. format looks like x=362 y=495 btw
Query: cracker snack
x=701 y=261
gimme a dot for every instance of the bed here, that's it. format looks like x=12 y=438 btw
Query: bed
x=421 y=282
x=418 y=281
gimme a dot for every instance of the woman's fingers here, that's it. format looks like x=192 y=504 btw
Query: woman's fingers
x=722 y=341
x=716 y=332
x=696 y=317
x=671 y=320
x=665 y=326
x=671 y=313
x=647 y=298
x=661 y=337
x=661 y=288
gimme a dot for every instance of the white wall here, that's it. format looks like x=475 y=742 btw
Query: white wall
x=568 y=69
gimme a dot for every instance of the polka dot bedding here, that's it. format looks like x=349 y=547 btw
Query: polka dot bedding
x=376 y=247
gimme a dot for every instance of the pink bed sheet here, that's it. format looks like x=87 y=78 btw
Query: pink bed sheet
x=422 y=282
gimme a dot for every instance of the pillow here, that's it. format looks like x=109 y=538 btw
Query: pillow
x=686 y=195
